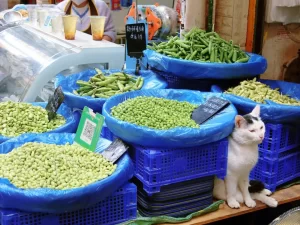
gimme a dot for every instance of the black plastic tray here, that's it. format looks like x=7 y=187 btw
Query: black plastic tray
x=177 y=212
x=175 y=203
x=178 y=190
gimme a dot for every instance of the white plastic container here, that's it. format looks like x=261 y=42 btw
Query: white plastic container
x=57 y=21
x=42 y=15
x=32 y=15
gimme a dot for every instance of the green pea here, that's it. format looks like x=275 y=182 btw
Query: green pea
x=19 y=118
x=156 y=113
x=53 y=166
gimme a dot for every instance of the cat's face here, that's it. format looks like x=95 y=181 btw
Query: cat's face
x=250 y=129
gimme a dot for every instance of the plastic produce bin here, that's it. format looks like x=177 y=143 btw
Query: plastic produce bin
x=279 y=138
x=118 y=208
x=107 y=134
x=157 y=167
x=277 y=171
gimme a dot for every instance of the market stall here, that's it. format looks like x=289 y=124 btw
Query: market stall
x=176 y=126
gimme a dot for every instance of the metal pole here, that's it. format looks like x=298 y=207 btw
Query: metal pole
x=136 y=11
x=137 y=68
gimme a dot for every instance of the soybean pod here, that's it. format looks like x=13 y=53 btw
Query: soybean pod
x=203 y=42
x=108 y=86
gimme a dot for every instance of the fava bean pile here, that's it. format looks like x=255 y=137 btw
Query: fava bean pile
x=259 y=92
x=157 y=113
x=201 y=46
x=100 y=86
x=19 y=118
x=39 y=165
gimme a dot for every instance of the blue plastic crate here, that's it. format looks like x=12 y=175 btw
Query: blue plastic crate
x=107 y=134
x=118 y=208
x=279 y=138
x=275 y=172
x=159 y=167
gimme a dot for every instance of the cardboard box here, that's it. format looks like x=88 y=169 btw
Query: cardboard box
x=231 y=20
x=280 y=47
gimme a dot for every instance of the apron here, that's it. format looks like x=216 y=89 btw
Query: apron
x=93 y=12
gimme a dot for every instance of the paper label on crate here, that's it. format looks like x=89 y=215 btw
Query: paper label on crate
x=54 y=102
x=115 y=150
x=211 y=107
x=89 y=129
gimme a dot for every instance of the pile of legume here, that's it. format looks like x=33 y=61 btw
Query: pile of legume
x=199 y=45
x=260 y=92
x=20 y=118
x=157 y=113
x=100 y=86
x=39 y=165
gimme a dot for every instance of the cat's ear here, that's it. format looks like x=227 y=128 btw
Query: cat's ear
x=239 y=121
x=256 y=111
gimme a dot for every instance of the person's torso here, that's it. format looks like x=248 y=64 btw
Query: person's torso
x=84 y=23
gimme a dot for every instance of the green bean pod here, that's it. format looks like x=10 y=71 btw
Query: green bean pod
x=108 y=81
x=83 y=83
x=212 y=55
x=121 y=86
x=243 y=60
x=141 y=83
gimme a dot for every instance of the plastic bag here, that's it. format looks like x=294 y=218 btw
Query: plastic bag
x=270 y=112
x=60 y=201
x=72 y=120
x=68 y=84
x=217 y=128
x=195 y=70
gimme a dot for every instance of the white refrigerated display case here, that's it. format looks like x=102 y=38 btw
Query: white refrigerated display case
x=30 y=58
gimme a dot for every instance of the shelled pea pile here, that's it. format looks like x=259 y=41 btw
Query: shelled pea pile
x=156 y=113
x=19 y=118
x=40 y=165
x=100 y=86
x=260 y=92
x=201 y=46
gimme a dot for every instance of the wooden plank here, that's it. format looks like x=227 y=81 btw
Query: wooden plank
x=283 y=196
x=251 y=25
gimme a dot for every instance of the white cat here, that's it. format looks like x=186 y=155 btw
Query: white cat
x=248 y=133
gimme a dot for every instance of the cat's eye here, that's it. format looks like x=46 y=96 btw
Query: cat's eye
x=261 y=127
x=251 y=131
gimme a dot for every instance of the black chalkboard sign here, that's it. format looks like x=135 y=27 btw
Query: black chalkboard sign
x=136 y=39
x=210 y=108
x=54 y=103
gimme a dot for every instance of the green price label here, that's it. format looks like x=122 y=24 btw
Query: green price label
x=89 y=129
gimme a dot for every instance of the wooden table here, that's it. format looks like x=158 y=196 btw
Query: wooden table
x=283 y=196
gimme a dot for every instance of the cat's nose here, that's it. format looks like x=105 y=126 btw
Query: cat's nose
x=261 y=137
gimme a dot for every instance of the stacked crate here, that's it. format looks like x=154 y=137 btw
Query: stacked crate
x=106 y=133
x=118 y=208
x=179 y=181
x=279 y=156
